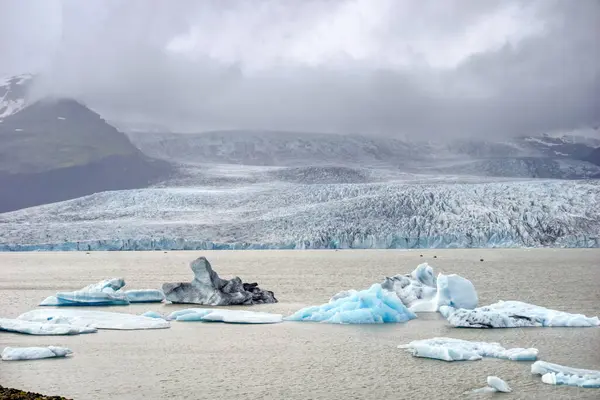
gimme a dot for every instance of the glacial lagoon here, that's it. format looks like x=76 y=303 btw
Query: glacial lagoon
x=298 y=360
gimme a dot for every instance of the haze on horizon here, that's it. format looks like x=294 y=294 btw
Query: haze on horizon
x=391 y=67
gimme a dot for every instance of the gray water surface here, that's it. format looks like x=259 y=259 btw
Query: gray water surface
x=295 y=360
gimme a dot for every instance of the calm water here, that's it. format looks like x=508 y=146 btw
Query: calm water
x=299 y=360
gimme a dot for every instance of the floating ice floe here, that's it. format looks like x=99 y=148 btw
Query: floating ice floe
x=495 y=384
x=449 y=349
x=554 y=374
x=43 y=327
x=103 y=293
x=515 y=314
x=34 y=353
x=228 y=316
x=145 y=296
x=421 y=291
x=96 y=319
x=209 y=289
x=372 y=306
x=152 y=314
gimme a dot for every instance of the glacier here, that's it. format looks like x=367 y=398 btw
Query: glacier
x=555 y=374
x=394 y=215
x=95 y=319
x=34 y=353
x=44 y=327
x=371 y=306
x=516 y=314
x=208 y=288
x=449 y=349
x=227 y=316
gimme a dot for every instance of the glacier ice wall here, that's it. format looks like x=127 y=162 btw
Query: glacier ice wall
x=294 y=216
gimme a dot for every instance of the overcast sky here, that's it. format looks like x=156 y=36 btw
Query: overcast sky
x=422 y=67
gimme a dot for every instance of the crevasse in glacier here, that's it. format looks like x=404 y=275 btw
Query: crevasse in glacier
x=449 y=349
x=34 y=353
x=516 y=314
x=555 y=374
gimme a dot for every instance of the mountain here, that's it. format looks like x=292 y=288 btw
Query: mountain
x=534 y=157
x=58 y=149
x=13 y=93
x=594 y=156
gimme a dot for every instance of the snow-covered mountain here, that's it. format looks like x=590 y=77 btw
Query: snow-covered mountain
x=13 y=94
x=288 y=215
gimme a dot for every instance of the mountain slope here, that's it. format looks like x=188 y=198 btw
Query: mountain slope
x=54 y=150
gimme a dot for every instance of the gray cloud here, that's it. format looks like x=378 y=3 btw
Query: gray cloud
x=372 y=66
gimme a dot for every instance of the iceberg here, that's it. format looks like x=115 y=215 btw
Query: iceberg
x=372 y=306
x=449 y=349
x=96 y=319
x=516 y=314
x=34 y=353
x=228 y=316
x=555 y=374
x=152 y=314
x=207 y=288
x=47 y=327
x=145 y=296
x=421 y=291
x=495 y=384
x=103 y=293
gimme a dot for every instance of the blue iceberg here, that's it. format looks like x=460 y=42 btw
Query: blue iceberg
x=449 y=349
x=46 y=327
x=34 y=353
x=516 y=314
x=555 y=374
x=372 y=306
x=103 y=293
x=145 y=296
x=227 y=316
x=152 y=314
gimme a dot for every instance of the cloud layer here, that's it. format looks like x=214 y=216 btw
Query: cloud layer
x=458 y=67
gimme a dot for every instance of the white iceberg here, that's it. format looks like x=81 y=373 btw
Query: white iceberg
x=228 y=316
x=421 y=291
x=555 y=374
x=495 y=384
x=96 y=319
x=34 y=353
x=516 y=314
x=103 y=293
x=449 y=349
x=43 y=327
x=372 y=306
x=145 y=296
x=152 y=314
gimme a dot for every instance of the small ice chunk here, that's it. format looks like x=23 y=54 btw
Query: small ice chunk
x=515 y=314
x=372 y=306
x=34 y=353
x=152 y=314
x=97 y=319
x=145 y=296
x=47 y=327
x=498 y=384
x=227 y=316
x=555 y=374
x=449 y=349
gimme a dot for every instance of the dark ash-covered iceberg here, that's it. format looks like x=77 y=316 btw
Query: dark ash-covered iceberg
x=208 y=289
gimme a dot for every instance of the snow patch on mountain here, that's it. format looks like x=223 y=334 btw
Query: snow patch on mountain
x=13 y=92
